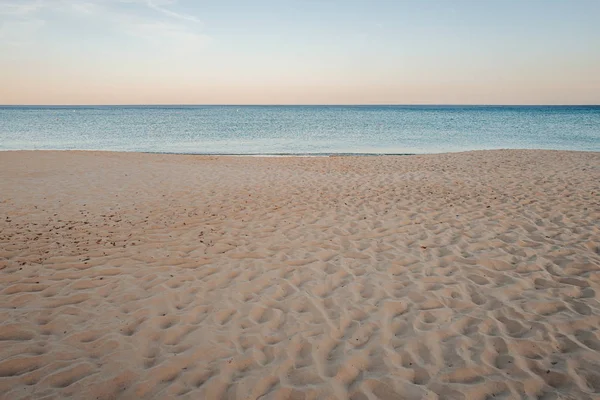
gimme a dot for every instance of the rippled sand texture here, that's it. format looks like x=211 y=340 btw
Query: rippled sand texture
x=453 y=276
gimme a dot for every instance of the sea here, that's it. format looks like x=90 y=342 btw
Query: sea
x=299 y=130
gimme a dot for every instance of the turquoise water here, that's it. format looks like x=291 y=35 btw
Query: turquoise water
x=300 y=129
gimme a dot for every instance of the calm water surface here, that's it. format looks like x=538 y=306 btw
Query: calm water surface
x=300 y=129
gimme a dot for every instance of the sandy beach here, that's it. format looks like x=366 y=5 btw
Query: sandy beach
x=452 y=276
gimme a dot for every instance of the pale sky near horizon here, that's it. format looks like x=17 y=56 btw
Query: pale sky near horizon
x=299 y=52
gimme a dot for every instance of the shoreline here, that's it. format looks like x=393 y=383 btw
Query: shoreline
x=308 y=155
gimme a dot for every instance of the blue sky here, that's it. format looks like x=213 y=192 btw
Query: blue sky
x=299 y=52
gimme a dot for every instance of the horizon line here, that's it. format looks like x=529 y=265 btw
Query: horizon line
x=307 y=105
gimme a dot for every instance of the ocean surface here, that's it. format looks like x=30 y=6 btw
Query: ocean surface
x=299 y=129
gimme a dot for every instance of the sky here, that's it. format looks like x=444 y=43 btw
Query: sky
x=299 y=52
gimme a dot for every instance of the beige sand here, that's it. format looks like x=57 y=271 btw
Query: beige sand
x=472 y=275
